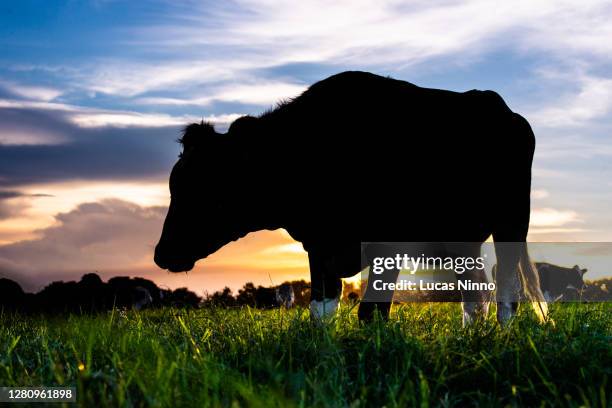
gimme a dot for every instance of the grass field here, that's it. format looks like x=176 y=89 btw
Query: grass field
x=219 y=357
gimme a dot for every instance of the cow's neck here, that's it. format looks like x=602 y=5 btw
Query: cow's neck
x=257 y=203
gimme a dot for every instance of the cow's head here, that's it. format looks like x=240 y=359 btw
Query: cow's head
x=577 y=277
x=575 y=284
x=203 y=184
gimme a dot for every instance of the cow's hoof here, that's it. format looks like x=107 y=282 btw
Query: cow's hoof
x=506 y=312
x=320 y=310
x=474 y=311
x=367 y=310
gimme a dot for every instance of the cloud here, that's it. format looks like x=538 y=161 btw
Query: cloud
x=234 y=51
x=591 y=99
x=228 y=41
x=102 y=235
x=30 y=127
x=47 y=142
x=96 y=154
x=23 y=137
x=4 y=195
x=258 y=93
x=7 y=207
x=128 y=119
x=37 y=93
x=595 y=248
x=143 y=120
x=573 y=147
x=14 y=203
x=555 y=225
x=556 y=231
x=539 y=194
x=93 y=117
x=118 y=237
x=550 y=217
x=128 y=78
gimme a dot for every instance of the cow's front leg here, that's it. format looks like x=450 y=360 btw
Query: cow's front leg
x=475 y=303
x=376 y=297
x=326 y=287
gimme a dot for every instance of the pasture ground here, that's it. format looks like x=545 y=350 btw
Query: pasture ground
x=245 y=357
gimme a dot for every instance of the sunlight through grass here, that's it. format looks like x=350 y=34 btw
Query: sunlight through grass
x=249 y=357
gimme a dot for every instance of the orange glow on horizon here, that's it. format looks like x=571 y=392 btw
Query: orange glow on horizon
x=264 y=258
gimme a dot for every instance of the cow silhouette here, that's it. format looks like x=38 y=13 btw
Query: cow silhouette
x=285 y=296
x=559 y=283
x=360 y=158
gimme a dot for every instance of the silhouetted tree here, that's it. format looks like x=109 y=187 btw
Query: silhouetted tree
x=11 y=295
x=222 y=298
x=183 y=297
x=246 y=295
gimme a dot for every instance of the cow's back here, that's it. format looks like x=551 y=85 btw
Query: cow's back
x=376 y=159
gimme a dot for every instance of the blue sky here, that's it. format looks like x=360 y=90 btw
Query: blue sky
x=93 y=93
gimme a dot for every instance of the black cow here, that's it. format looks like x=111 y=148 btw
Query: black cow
x=557 y=282
x=285 y=296
x=134 y=293
x=360 y=158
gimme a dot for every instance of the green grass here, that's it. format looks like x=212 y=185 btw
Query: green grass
x=217 y=357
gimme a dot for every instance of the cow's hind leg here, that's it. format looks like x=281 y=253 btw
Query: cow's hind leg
x=512 y=207
x=475 y=303
x=507 y=280
x=377 y=301
x=326 y=287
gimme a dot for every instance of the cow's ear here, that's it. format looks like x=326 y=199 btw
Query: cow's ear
x=583 y=271
x=244 y=125
x=197 y=134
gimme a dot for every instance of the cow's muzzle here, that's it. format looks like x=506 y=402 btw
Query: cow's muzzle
x=173 y=261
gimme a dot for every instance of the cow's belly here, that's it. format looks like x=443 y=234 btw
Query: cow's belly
x=341 y=236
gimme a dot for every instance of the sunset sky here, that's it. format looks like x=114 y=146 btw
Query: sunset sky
x=93 y=95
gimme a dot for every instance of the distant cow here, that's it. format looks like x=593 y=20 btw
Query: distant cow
x=285 y=297
x=141 y=298
x=557 y=282
x=361 y=158
x=135 y=293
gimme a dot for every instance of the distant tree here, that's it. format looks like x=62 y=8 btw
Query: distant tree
x=183 y=297
x=12 y=296
x=246 y=295
x=222 y=298
x=91 y=280
x=59 y=297
x=95 y=295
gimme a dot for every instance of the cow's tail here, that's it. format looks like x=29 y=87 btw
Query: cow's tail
x=531 y=283
x=514 y=223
